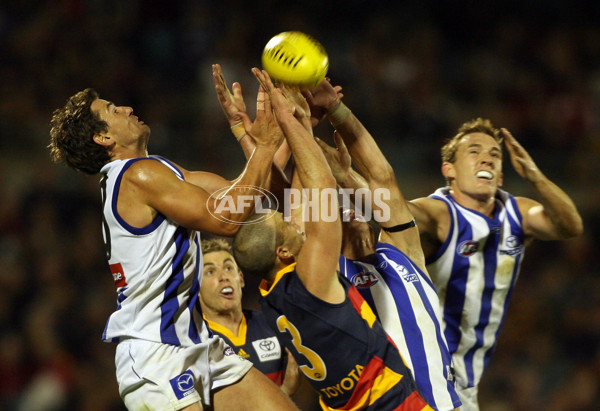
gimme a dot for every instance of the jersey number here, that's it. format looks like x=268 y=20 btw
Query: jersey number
x=316 y=370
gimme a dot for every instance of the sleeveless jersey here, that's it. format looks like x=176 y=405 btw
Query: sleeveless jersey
x=407 y=304
x=474 y=272
x=155 y=269
x=256 y=342
x=341 y=348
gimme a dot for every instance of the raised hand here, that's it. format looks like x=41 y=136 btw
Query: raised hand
x=322 y=99
x=520 y=158
x=338 y=158
x=265 y=128
x=278 y=100
x=232 y=103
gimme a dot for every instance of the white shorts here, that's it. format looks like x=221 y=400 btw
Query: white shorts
x=154 y=376
x=468 y=397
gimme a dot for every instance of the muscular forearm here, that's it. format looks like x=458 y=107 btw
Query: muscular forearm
x=366 y=155
x=558 y=207
x=256 y=174
x=311 y=165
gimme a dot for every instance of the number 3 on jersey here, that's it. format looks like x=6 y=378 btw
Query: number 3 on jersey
x=316 y=370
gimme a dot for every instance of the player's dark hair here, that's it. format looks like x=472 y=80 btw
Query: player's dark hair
x=255 y=244
x=72 y=129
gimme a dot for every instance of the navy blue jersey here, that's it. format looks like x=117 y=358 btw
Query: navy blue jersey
x=341 y=348
x=256 y=342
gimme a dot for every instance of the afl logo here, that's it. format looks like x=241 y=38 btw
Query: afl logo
x=364 y=280
x=467 y=248
x=222 y=206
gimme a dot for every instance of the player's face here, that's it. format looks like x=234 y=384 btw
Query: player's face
x=355 y=224
x=123 y=126
x=477 y=169
x=222 y=282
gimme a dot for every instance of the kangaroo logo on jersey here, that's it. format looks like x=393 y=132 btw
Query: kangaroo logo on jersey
x=183 y=384
x=267 y=349
x=364 y=279
x=513 y=245
x=467 y=248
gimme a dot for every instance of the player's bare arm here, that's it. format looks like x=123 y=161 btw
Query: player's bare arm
x=433 y=222
x=555 y=217
x=379 y=175
x=149 y=187
x=315 y=257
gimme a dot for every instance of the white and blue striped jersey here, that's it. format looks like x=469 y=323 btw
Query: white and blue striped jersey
x=406 y=303
x=156 y=270
x=474 y=272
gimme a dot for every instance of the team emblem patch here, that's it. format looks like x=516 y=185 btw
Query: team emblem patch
x=467 y=248
x=228 y=351
x=183 y=384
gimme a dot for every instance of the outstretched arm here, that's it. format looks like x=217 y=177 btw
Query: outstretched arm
x=371 y=163
x=245 y=130
x=555 y=217
x=318 y=259
x=242 y=127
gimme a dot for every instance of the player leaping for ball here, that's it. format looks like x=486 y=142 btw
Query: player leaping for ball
x=333 y=334
x=389 y=271
x=166 y=358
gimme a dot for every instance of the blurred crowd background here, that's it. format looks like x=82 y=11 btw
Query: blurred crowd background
x=412 y=72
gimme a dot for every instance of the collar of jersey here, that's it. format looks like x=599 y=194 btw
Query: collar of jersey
x=236 y=340
x=264 y=285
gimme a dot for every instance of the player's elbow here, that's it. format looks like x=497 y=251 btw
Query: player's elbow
x=382 y=175
x=575 y=229
x=228 y=229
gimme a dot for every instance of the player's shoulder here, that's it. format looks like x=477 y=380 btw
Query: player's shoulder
x=147 y=170
x=428 y=202
x=428 y=208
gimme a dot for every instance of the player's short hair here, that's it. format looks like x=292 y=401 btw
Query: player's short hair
x=254 y=246
x=216 y=244
x=478 y=125
x=72 y=129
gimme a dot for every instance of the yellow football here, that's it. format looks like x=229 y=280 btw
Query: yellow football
x=295 y=58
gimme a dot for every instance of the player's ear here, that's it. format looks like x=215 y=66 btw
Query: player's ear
x=448 y=170
x=103 y=139
x=242 y=283
x=284 y=254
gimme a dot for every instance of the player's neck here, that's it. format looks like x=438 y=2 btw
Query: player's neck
x=482 y=204
x=229 y=319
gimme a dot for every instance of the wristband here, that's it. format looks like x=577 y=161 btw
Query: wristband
x=239 y=131
x=338 y=114
x=400 y=227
